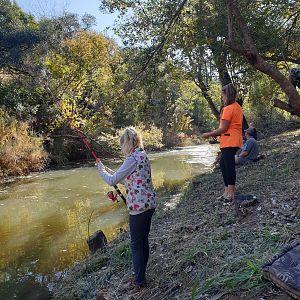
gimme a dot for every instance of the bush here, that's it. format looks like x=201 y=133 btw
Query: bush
x=152 y=137
x=20 y=152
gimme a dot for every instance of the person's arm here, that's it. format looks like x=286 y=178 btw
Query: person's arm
x=128 y=166
x=246 y=149
x=109 y=171
x=244 y=153
x=219 y=131
x=112 y=172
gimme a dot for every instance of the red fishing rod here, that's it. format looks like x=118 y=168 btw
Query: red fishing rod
x=83 y=137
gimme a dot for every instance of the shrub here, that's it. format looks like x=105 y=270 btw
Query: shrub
x=152 y=137
x=20 y=151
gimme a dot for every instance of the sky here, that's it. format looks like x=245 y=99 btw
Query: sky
x=55 y=7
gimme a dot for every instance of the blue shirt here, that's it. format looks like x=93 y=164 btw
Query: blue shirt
x=251 y=147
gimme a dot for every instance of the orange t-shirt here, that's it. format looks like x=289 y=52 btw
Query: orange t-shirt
x=233 y=136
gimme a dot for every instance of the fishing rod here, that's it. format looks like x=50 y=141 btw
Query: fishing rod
x=83 y=137
x=111 y=154
x=87 y=137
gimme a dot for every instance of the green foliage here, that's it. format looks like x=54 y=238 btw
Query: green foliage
x=189 y=256
x=57 y=70
x=27 y=101
x=96 y=264
x=152 y=136
x=248 y=277
x=270 y=236
x=198 y=36
x=229 y=221
x=19 y=34
x=275 y=27
x=82 y=73
x=123 y=251
x=20 y=151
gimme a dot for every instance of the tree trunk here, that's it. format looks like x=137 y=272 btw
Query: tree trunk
x=220 y=59
x=250 y=52
x=205 y=94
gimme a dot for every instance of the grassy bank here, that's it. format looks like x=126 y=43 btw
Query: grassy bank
x=200 y=249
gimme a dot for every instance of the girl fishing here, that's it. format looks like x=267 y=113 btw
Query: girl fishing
x=135 y=172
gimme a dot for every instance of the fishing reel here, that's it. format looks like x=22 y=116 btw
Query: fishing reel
x=113 y=197
x=213 y=140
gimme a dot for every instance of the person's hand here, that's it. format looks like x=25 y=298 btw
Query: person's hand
x=99 y=164
x=206 y=135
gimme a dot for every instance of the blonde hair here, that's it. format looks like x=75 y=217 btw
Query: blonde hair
x=230 y=92
x=129 y=140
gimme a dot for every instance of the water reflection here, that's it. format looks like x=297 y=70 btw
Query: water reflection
x=43 y=218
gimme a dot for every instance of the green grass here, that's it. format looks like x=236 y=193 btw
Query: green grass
x=247 y=278
x=189 y=256
x=97 y=263
x=224 y=235
x=270 y=235
x=229 y=221
x=123 y=251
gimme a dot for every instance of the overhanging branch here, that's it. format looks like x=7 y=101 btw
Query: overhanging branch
x=250 y=52
x=284 y=106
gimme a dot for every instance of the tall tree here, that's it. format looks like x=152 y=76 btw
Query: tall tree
x=248 y=49
x=81 y=78
x=19 y=33
x=198 y=35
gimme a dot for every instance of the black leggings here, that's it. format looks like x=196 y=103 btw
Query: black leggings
x=227 y=165
x=139 y=226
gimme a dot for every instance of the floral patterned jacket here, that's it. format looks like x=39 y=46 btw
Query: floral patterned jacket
x=139 y=187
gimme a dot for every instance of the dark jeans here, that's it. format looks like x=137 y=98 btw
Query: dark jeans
x=139 y=231
x=227 y=165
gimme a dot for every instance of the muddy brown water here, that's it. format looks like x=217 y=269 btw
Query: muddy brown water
x=44 y=217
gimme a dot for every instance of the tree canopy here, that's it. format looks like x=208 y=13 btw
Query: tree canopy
x=200 y=32
x=166 y=75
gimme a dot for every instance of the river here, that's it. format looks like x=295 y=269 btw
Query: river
x=44 y=217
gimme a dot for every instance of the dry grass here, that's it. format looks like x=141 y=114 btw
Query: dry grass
x=201 y=250
x=20 y=152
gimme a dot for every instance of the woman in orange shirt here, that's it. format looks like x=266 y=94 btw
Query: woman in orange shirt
x=230 y=132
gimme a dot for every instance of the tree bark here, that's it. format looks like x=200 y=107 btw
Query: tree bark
x=220 y=59
x=284 y=106
x=250 y=52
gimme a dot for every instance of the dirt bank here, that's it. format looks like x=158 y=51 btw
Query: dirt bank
x=200 y=249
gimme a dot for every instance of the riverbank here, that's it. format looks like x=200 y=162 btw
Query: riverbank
x=200 y=249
